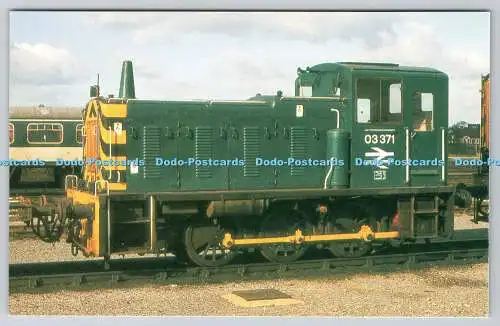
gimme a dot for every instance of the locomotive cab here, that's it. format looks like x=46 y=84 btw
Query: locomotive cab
x=397 y=117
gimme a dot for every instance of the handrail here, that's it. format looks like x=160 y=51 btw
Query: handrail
x=110 y=153
x=338 y=116
x=66 y=178
x=442 y=154
x=407 y=156
x=106 y=182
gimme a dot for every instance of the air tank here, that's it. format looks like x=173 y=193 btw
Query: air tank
x=337 y=147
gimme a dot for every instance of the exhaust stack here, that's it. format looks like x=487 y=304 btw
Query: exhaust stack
x=127 y=88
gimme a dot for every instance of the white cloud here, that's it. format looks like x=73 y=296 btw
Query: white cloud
x=210 y=55
x=42 y=64
x=420 y=45
x=240 y=69
x=315 y=26
x=146 y=70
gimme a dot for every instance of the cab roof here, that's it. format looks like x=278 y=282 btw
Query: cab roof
x=326 y=67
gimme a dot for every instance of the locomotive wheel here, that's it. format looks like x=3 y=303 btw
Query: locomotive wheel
x=203 y=246
x=351 y=248
x=181 y=255
x=483 y=210
x=281 y=225
x=463 y=198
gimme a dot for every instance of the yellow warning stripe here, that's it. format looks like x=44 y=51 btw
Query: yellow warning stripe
x=108 y=135
x=114 y=110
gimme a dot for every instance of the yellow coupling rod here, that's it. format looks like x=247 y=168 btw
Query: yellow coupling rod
x=365 y=233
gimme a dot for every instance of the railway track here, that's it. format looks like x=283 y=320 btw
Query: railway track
x=468 y=247
x=19 y=230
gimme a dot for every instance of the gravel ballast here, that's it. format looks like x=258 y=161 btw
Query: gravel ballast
x=447 y=291
x=456 y=291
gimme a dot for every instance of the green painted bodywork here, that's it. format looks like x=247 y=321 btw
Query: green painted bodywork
x=244 y=130
x=272 y=127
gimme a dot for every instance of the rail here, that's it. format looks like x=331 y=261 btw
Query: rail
x=54 y=276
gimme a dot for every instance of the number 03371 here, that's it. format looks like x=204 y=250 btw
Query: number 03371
x=379 y=139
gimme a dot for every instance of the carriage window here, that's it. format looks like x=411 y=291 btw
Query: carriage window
x=79 y=133
x=423 y=111
x=11 y=133
x=45 y=133
x=384 y=98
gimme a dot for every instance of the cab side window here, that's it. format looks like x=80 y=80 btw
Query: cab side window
x=423 y=112
x=378 y=101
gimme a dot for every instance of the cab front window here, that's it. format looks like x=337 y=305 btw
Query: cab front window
x=305 y=91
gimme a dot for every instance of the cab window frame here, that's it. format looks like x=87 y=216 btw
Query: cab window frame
x=384 y=101
x=422 y=110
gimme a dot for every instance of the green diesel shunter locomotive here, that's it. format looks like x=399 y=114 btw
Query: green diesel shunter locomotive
x=206 y=180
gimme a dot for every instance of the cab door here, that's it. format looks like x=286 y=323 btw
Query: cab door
x=425 y=106
x=378 y=135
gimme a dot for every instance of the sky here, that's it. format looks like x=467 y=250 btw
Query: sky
x=55 y=56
